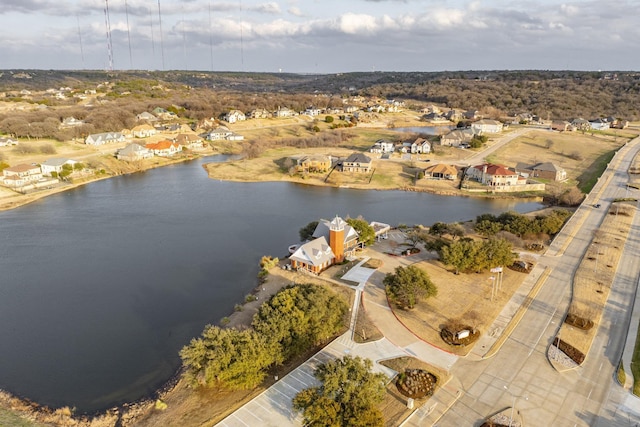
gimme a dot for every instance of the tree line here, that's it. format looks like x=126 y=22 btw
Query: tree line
x=292 y=321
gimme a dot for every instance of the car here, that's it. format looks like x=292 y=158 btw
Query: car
x=597 y=205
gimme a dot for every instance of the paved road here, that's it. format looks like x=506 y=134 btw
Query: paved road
x=478 y=157
x=520 y=373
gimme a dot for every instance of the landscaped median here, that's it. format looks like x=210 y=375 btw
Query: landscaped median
x=591 y=287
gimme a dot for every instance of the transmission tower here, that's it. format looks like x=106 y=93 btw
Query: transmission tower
x=107 y=23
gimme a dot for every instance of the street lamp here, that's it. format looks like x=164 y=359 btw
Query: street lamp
x=513 y=405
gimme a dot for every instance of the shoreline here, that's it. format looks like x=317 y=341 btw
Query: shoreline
x=18 y=199
x=369 y=187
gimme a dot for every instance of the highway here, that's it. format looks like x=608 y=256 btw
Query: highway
x=520 y=373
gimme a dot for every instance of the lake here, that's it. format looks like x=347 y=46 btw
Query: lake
x=102 y=285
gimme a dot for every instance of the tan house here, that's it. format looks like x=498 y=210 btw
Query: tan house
x=134 y=152
x=486 y=126
x=22 y=174
x=189 y=140
x=441 y=171
x=494 y=175
x=357 y=162
x=234 y=116
x=456 y=137
x=284 y=112
x=314 y=163
x=561 y=126
x=143 y=131
x=260 y=113
x=546 y=170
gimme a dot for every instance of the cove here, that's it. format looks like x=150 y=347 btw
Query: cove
x=102 y=285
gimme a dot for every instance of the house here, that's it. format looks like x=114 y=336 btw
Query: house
x=377 y=108
x=260 y=113
x=621 y=124
x=561 y=126
x=71 y=122
x=420 y=145
x=332 y=242
x=312 y=111
x=314 y=256
x=189 y=140
x=314 y=163
x=434 y=118
x=494 y=175
x=486 y=126
x=382 y=146
x=134 y=152
x=6 y=141
x=146 y=116
x=348 y=239
x=217 y=134
x=403 y=147
x=357 y=162
x=234 y=137
x=22 y=174
x=104 y=138
x=454 y=115
x=284 y=112
x=546 y=170
x=143 y=131
x=441 y=171
x=581 y=124
x=234 y=116
x=599 y=124
x=164 y=148
x=164 y=114
x=55 y=165
x=456 y=137
x=471 y=115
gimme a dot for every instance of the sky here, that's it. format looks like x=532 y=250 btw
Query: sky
x=320 y=36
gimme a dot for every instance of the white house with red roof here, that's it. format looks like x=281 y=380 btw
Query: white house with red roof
x=164 y=148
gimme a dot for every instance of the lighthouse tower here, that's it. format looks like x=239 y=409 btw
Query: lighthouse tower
x=336 y=237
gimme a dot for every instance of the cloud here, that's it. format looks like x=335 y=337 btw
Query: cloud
x=270 y=8
x=295 y=11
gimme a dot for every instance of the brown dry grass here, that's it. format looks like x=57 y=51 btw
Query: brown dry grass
x=563 y=149
x=594 y=276
x=466 y=297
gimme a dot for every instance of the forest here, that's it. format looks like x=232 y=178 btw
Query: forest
x=193 y=96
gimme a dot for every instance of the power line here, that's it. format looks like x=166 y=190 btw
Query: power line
x=161 y=39
x=80 y=37
x=126 y=11
x=107 y=23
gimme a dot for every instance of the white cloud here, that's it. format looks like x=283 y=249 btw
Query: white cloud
x=295 y=11
x=351 y=23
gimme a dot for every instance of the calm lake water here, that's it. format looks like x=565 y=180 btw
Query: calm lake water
x=102 y=285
